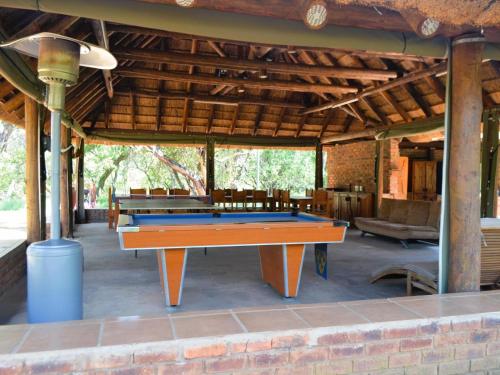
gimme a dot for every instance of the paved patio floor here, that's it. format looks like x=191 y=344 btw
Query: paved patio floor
x=117 y=284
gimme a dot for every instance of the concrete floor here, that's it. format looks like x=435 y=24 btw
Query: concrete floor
x=117 y=284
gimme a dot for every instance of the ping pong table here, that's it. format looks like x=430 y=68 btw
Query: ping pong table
x=281 y=238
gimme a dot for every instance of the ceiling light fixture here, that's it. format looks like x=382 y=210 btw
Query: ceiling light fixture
x=263 y=74
x=185 y=3
x=316 y=14
x=241 y=89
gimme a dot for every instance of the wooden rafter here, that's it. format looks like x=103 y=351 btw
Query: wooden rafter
x=159 y=89
x=235 y=119
x=394 y=104
x=326 y=122
x=208 y=79
x=210 y=118
x=279 y=122
x=101 y=35
x=132 y=108
x=410 y=77
x=380 y=115
x=260 y=112
x=223 y=62
x=409 y=89
x=347 y=124
x=107 y=112
x=417 y=97
x=187 y=102
x=300 y=125
x=231 y=101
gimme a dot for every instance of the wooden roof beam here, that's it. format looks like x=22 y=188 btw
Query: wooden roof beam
x=410 y=77
x=280 y=121
x=210 y=118
x=222 y=54
x=222 y=61
x=208 y=79
x=132 y=109
x=101 y=35
x=421 y=102
x=380 y=115
x=187 y=103
x=300 y=125
x=394 y=104
x=207 y=99
x=326 y=122
x=235 y=119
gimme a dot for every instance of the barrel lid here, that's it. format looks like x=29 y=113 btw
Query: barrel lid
x=59 y=247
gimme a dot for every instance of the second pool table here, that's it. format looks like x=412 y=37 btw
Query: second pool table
x=280 y=236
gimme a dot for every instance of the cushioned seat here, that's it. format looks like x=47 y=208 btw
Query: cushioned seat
x=404 y=220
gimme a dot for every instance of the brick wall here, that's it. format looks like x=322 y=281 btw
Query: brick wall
x=355 y=164
x=96 y=215
x=12 y=266
x=453 y=345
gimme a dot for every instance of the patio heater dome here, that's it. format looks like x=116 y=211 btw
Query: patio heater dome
x=55 y=266
x=59 y=58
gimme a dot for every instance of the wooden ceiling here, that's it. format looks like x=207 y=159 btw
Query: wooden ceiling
x=179 y=84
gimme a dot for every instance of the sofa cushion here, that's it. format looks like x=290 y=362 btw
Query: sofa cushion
x=385 y=209
x=434 y=215
x=418 y=213
x=399 y=211
x=421 y=228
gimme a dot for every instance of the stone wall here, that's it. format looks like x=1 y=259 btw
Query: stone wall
x=12 y=266
x=355 y=164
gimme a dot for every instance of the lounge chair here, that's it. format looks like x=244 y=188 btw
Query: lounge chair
x=424 y=275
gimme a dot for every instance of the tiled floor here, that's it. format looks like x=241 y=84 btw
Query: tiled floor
x=117 y=284
x=103 y=332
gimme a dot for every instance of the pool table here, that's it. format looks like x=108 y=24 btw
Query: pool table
x=280 y=236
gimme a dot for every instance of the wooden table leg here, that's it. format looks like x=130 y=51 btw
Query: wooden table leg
x=172 y=267
x=281 y=267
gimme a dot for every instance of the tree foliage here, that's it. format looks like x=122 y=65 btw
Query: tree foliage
x=12 y=166
x=125 y=167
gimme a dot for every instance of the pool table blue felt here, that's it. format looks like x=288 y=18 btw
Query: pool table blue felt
x=222 y=218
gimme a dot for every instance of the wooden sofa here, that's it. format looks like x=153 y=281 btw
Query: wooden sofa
x=403 y=220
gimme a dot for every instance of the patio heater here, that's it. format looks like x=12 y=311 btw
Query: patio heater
x=55 y=266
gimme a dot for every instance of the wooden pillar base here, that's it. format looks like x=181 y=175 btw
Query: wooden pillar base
x=281 y=267
x=172 y=266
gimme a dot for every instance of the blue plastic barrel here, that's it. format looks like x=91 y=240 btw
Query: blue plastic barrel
x=55 y=281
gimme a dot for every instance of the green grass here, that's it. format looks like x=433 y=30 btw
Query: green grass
x=12 y=204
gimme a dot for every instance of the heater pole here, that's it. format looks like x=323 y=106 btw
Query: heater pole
x=55 y=148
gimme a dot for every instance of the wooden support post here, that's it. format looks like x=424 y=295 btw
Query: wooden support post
x=210 y=166
x=81 y=184
x=318 y=176
x=465 y=144
x=489 y=155
x=65 y=209
x=32 y=153
x=379 y=173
